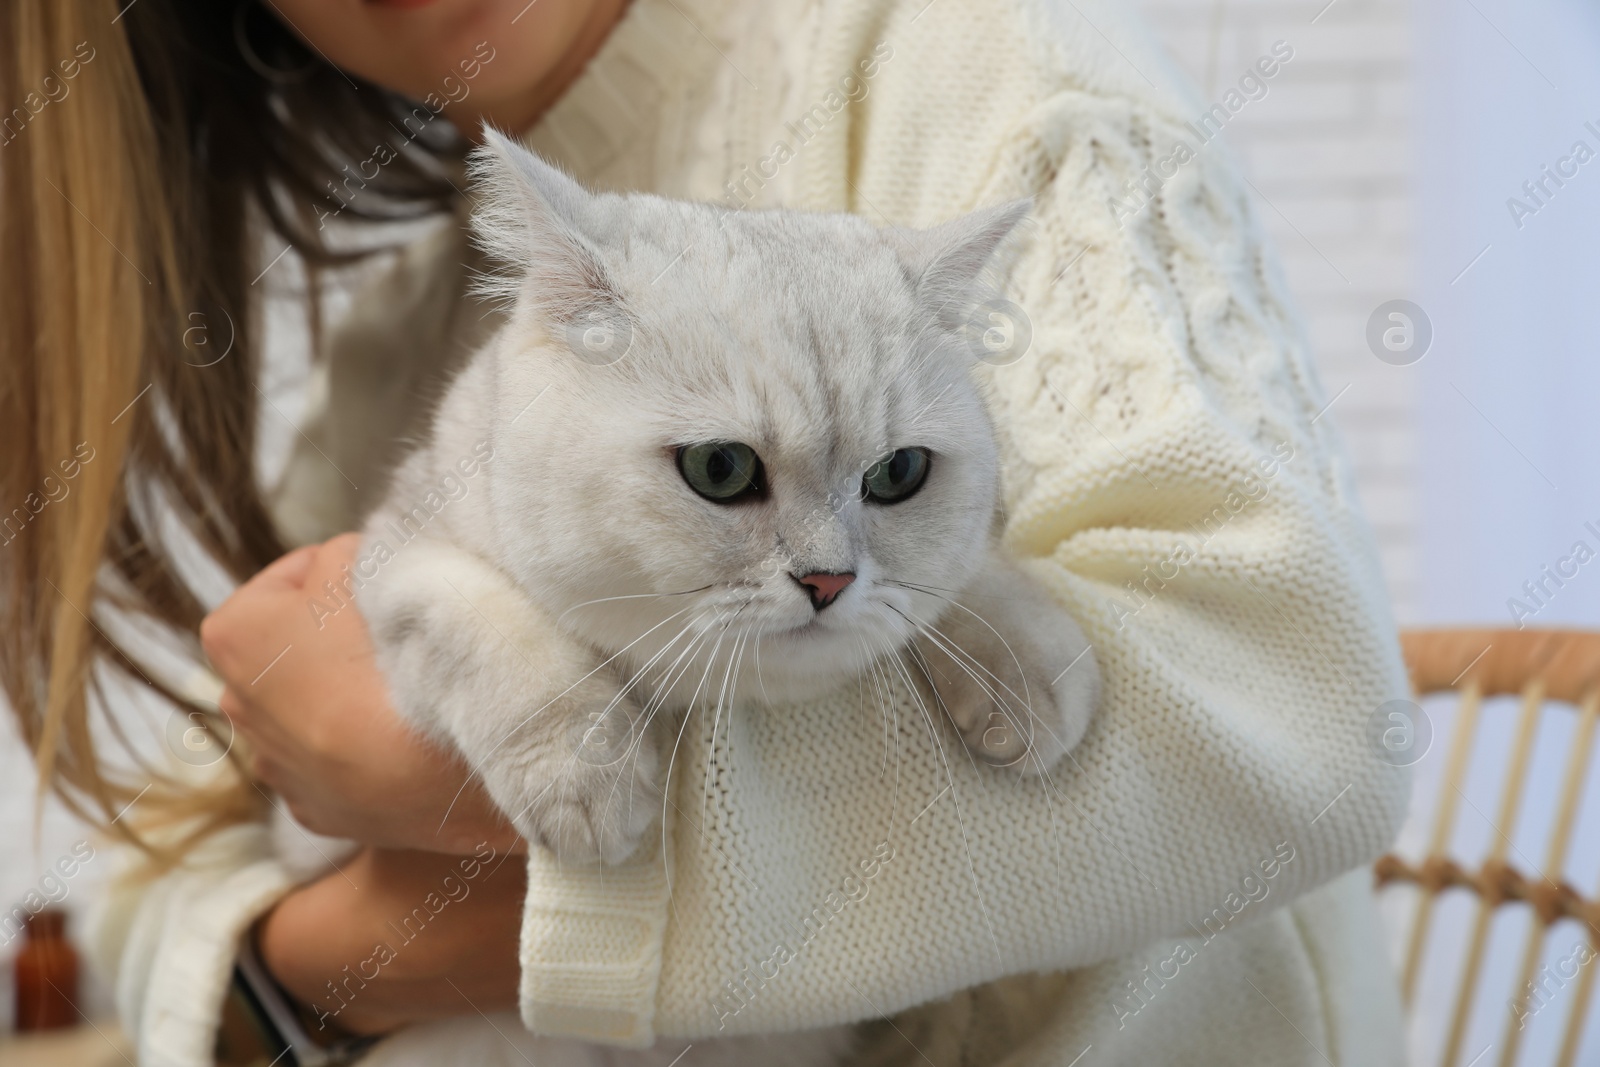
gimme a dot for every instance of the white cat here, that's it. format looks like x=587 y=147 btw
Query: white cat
x=710 y=458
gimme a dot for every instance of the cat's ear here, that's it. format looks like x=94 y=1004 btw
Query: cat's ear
x=532 y=218
x=948 y=260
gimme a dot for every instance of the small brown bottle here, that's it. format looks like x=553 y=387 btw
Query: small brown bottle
x=47 y=974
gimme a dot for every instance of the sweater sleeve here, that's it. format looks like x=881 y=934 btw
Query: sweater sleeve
x=1167 y=477
x=169 y=942
x=167 y=939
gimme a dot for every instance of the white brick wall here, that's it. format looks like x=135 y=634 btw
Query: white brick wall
x=1330 y=151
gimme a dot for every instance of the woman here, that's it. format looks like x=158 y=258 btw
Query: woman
x=1163 y=464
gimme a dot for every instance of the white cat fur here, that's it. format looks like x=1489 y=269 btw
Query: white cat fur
x=552 y=610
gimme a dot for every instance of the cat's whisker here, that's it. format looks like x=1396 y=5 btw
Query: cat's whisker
x=631 y=596
x=672 y=759
x=880 y=682
x=693 y=701
x=954 y=651
x=662 y=691
x=647 y=716
x=967 y=663
x=666 y=799
x=931 y=590
x=926 y=670
x=939 y=592
x=1031 y=753
x=1025 y=697
x=760 y=681
x=988 y=681
x=589 y=674
x=960 y=657
x=894 y=714
x=633 y=745
x=734 y=656
x=657 y=701
x=872 y=674
x=933 y=733
x=734 y=659
x=676 y=671
x=636 y=679
x=531 y=715
x=711 y=660
x=955 y=799
x=640 y=675
x=1033 y=721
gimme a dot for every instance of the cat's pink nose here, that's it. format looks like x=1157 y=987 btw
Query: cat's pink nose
x=824 y=588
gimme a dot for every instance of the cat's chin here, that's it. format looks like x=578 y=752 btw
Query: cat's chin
x=806 y=663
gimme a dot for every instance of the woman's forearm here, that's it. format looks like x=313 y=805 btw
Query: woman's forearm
x=399 y=937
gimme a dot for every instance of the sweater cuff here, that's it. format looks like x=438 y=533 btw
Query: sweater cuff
x=188 y=979
x=591 y=947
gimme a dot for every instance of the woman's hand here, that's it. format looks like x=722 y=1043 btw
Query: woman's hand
x=399 y=937
x=303 y=689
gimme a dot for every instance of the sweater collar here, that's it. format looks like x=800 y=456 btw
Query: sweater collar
x=654 y=56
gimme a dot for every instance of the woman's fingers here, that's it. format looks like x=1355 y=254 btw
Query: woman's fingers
x=282 y=614
x=328 y=593
x=303 y=688
x=328 y=563
x=287 y=570
x=244 y=635
x=338 y=550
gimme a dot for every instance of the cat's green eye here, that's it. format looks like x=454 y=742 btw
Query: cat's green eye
x=723 y=471
x=892 y=480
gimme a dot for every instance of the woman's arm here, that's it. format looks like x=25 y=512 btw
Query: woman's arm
x=421 y=924
x=399 y=937
x=310 y=708
x=304 y=692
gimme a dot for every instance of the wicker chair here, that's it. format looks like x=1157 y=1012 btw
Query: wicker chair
x=1540 y=666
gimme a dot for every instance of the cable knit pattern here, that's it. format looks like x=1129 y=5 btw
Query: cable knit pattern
x=844 y=859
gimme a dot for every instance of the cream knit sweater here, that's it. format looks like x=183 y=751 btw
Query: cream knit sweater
x=1165 y=476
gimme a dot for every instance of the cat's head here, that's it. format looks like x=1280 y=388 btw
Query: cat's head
x=734 y=437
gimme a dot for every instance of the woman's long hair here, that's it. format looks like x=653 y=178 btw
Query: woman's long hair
x=148 y=148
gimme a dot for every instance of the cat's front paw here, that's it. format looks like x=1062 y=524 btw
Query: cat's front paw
x=1003 y=699
x=589 y=793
